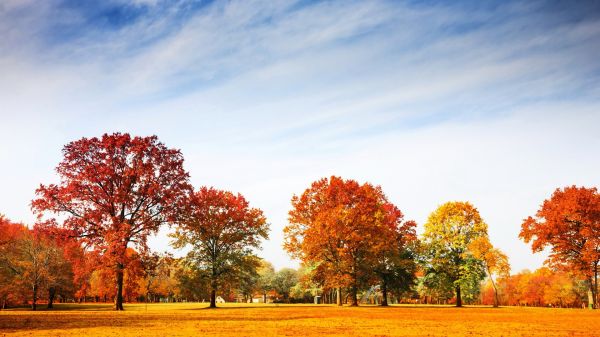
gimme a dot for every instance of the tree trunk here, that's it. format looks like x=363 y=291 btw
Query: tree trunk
x=384 y=301
x=354 y=296
x=458 y=298
x=591 y=295
x=354 y=285
x=496 y=299
x=595 y=285
x=51 y=292
x=119 y=296
x=34 y=297
x=264 y=296
x=213 y=284
x=339 y=296
x=213 y=297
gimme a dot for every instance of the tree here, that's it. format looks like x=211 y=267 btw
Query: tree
x=569 y=223
x=101 y=282
x=266 y=273
x=114 y=191
x=284 y=280
x=151 y=274
x=306 y=289
x=395 y=266
x=133 y=275
x=544 y=287
x=61 y=280
x=247 y=277
x=66 y=256
x=190 y=281
x=162 y=280
x=561 y=291
x=222 y=230
x=494 y=260
x=448 y=232
x=435 y=286
x=11 y=235
x=38 y=264
x=82 y=262
x=341 y=227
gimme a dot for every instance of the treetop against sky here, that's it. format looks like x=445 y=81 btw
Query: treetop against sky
x=495 y=103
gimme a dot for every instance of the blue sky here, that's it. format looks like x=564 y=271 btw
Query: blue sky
x=493 y=102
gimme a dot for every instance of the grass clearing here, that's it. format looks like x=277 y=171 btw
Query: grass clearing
x=187 y=319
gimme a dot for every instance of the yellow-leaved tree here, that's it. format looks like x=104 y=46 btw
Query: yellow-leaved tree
x=448 y=232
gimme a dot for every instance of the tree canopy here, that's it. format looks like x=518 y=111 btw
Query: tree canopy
x=342 y=228
x=115 y=191
x=222 y=229
x=448 y=232
x=569 y=224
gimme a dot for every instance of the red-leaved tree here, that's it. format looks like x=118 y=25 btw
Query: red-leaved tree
x=222 y=230
x=569 y=223
x=114 y=191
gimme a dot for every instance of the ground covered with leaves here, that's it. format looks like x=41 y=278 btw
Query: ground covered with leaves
x=297 y=320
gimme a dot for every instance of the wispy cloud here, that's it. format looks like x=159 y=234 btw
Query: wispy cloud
x=493 y=102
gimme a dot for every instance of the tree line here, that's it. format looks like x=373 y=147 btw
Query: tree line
x=90 y=240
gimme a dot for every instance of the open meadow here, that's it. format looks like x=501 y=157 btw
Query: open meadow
x=297 y=320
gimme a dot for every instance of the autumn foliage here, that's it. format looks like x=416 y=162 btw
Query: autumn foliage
x=344 y=229
x=569 y=223
x=221 y=229
x=32 y=263
x=494 y=260
x=449 y=232
x=114 y=191
x=90 y=242
x=543 y=287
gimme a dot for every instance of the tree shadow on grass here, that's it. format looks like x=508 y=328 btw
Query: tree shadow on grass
x=268 y=306
x=430 y=306
x=50 y=321
x=81 y=307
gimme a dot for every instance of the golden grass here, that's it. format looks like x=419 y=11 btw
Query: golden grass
x=297 y=320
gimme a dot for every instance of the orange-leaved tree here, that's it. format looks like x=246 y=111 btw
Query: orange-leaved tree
x=222 y=229
x=569 y=223
x=38 y=263
x=494 y=260
x=342 y=228
x=114 y=191
x=11 y=235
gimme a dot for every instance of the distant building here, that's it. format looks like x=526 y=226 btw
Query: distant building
x=259 y=297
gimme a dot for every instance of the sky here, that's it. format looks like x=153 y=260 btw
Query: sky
x=496 y=103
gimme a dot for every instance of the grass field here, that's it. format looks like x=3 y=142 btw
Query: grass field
x=297 y=320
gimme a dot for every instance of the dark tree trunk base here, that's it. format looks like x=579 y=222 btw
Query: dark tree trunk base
x=354 y=297
x=51 y=293
x=384 y=302
x=213 y=298
x=119 y=296
x=34 y=298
